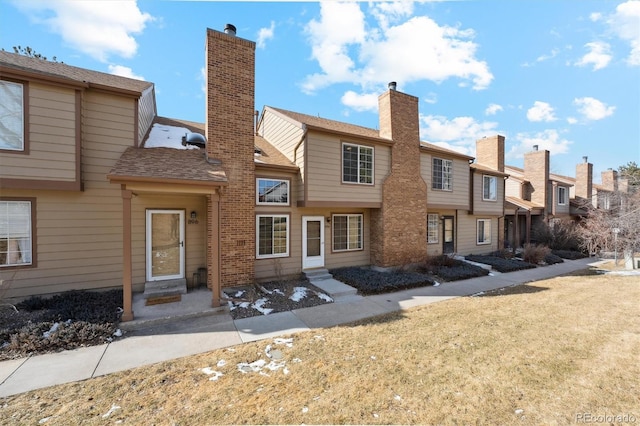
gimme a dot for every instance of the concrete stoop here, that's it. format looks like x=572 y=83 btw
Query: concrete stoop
x=317 y=274
x=165 y=288
x=339 y=291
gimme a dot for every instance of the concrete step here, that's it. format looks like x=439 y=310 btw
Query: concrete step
x=317 y=274
x=157 y=289
x=334 y=288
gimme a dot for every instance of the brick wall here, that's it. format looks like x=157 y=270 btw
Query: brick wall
x=398 y=229
x=610 y=180
x=230 y=63
x=536 y=171
x=490 y=152
x=584 y=180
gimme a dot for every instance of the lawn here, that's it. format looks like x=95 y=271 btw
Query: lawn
x=545 y=353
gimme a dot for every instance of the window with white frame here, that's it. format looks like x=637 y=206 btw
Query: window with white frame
x=433 y=225
x=562 y=195
x=357 y=164
x=272 y=232
x=11 y=116
x=489 y=188
x=16 y=248
x=442 y=174
x=484 y=231
x=272 y=191
x=347 y=232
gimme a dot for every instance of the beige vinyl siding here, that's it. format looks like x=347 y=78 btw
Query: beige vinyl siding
x=324 y=173
x=292 y=265
x=79 y=234
x=513 y=188
x=52 y=137
x=195 y=234
x=467 y=234
x=456 y=198
x=480 y=206
x=281 y=133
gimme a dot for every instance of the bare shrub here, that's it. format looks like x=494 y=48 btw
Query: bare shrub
x=535 y=253
x=558 y=235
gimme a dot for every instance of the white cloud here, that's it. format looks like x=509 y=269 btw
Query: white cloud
x=492 y=109
x=124 y=72
x=349 y=50
x=540 y=111
x=431 y=98
x=595 y=16
x=391 y=12
x=360 y=102
x=593 y=109
x=625 y=24
x=599 y=55
x=548 y=139
x=572 y=120
x=96 y=28
x=265 y=34
x=459 y=133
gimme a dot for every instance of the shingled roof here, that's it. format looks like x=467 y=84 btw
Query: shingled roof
x=24 y=64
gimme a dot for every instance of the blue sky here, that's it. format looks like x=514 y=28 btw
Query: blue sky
x=564 y=75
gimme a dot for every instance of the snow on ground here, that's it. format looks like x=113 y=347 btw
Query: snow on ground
x=298 y=294
x=164 y=136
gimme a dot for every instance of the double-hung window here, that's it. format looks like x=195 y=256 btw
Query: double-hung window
x=12 y=134
x=272 y=232
x=347 y=232
x=433 y=224
x=489 y=188
x=272 y=192
x=442 y=175
x=16 y=238
x=562 y=195
x=357 y=164
x=484 y=231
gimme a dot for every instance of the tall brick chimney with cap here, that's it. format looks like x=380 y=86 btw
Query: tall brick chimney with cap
x=230 y=100
x=490 y=152
x=584 y=179
x=398 y=228
x=536 y=171
x=610 y=180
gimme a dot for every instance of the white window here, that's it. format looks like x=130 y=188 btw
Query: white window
x=357 y=164
x=272 y=232
x=11 y=116
x=562 y=195
x=484 y=231
x=15 y=233
x=489 y=188
x=272 y=191
x=442 y=175
x=347 y=232
x=433 y=224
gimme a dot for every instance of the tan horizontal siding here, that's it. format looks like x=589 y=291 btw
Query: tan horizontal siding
x=280 y=133
x=481 y=206
x=467 y=235
x=459 y=196
x=324 y=173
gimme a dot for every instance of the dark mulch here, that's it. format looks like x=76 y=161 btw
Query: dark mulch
x=369 y=281
x=446 y=268
x=552 y=259
x=569 y=254
x=272 y=297
x=500 y=264
x=66 y=321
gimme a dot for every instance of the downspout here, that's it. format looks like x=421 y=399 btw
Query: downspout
x=471 y=188
x=295 y=148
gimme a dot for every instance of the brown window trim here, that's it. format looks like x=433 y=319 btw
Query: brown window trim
x=25 y=117
x=34 y=240
x=331 y=215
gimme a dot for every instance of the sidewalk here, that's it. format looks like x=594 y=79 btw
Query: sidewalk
x=162 y=342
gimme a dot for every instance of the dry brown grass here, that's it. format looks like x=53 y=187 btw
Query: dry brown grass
x=567 y=346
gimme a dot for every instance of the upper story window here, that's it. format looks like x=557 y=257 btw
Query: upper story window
x=15 y=233
x=484 y=231
x=489 y=188
x=562 y=195
x=357 y=164
x=432 y=228
x=442 y=174
x=11 y=116
x=347 y=232
x=272 y=191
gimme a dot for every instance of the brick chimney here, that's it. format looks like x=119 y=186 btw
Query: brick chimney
x=584 y=179
x=230 y=100
x=399 y=226
x=490 y=152
x=536 y=171
x=610 y=180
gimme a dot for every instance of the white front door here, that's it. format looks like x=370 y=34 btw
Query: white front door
x=312 y=242
x=165 y=244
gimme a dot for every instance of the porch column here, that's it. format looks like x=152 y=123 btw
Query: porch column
x=127 y=296
x=516 y=230
x=528 y=227
x=213 y=248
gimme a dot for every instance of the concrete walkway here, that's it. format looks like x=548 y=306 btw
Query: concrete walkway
x=156 y=341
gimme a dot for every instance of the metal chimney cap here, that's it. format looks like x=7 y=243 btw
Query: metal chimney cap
x=535 y=147
x=230 y=29
x=585 y=159
x=392 y=85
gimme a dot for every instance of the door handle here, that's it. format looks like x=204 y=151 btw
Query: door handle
x=181 y=243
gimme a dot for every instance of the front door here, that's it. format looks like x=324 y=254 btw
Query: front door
x=312 y=242
x=165 y=244
x=448 y=231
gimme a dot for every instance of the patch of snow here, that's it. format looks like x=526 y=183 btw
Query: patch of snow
x=318 y=337
x=113 y=409
x=265 y=290
x=52 y=330
x=477 y=294
x=232 y=305
x=239 y=293
x=43 y=421
x=436 y=283
x=281 y=341
x=397 y=398
x=373 y=357
x=258 y=306
x=305 y=409
x=519 y=411
x=324 y=296
x=278 y=291
x=491 y=274
x=164 y=136
x=221 y=363
x=244 y=304
x=299 y=293
x=296 y=360
x=117 y=333
x=255 y=366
